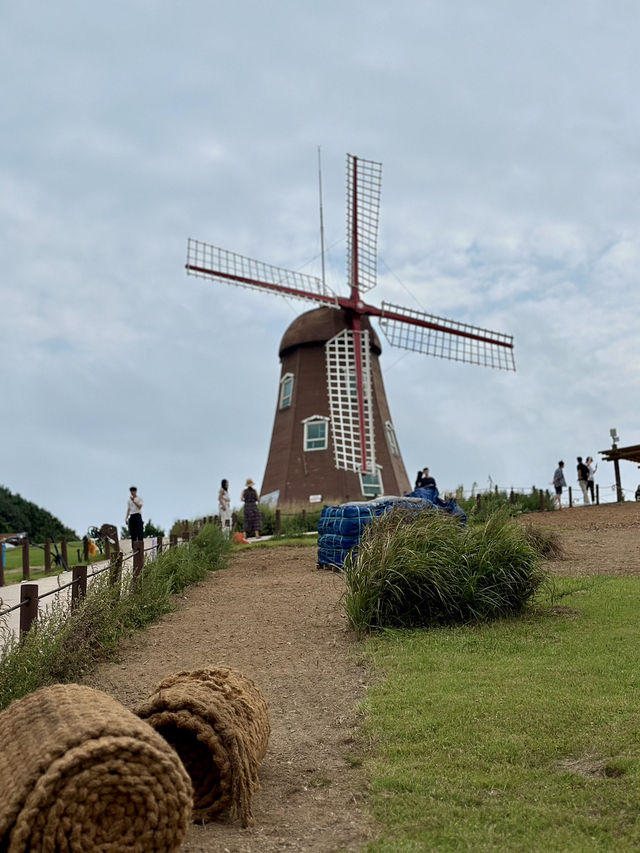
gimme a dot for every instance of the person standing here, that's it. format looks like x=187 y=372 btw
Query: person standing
x=252 y=515
x=134 y=515
x=224 y=508
x=591 y=477
x=583 y=479
x=559 y=483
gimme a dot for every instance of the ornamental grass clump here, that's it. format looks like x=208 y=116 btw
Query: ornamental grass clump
x=428 y=570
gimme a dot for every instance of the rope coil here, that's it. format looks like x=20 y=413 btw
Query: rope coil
x=217 y=721
x=82 y=773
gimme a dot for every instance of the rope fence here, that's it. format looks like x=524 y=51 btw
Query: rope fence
x=30 y=597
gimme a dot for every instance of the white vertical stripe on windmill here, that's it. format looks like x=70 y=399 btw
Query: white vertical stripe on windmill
x=348 y=445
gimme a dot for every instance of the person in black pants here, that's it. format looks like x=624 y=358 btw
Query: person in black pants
x=134 y=515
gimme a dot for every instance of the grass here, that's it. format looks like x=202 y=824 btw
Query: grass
x=13 y=561
x=411 y=571
x=63 y=646
x=299 y=541
x=518 y=735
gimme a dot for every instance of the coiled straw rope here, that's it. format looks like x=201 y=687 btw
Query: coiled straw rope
x=217 y=720
x=81 y=773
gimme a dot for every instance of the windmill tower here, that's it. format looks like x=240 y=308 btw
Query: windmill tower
x=333 y=436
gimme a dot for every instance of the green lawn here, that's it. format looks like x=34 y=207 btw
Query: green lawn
x=522 y=735
x=13 y=561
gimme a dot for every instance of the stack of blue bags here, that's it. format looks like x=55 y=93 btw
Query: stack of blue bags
x=340 y=527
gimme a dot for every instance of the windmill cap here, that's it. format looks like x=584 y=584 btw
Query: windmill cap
x=320 y=325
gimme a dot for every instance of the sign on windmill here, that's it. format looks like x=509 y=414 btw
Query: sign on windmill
x=332 y=434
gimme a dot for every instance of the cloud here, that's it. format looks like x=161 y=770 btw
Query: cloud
x=508 y=136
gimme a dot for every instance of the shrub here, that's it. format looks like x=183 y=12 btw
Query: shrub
x=291 y=521
x=482 y=507
x=427 y=570
x=546 y=542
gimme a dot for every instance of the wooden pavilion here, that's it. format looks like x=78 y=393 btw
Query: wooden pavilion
x=615 y=454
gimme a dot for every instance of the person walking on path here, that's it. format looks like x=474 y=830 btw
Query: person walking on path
x=559 y=483
x=252 y=515
x=591 y=477
x=134 y=515
x=583 y=479
x=224 y=508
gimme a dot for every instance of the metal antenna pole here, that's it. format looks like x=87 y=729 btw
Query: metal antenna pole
x=321 y=216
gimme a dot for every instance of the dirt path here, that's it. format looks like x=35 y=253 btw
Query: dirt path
x=277 y=619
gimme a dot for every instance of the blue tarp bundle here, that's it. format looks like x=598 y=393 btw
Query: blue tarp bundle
x=340 y=527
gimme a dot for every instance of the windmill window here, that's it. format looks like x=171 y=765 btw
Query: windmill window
x=371 y=483
x=316 y=433
x=391 y=438
x=286 y=390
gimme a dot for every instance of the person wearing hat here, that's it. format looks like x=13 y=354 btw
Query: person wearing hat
x=134 y=515
x=252 y=515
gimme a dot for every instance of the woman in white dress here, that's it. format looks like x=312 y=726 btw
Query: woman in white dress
x=224 y=507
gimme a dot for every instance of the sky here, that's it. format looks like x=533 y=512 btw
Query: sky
x=509 y=137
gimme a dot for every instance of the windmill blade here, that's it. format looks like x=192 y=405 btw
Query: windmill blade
x=436 y=336
x=206 y=261
x=352 y=450
x=363 y=207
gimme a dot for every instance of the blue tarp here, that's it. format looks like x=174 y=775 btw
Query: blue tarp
x=340 y=527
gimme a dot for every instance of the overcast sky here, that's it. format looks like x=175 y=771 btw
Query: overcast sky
x=509 y=133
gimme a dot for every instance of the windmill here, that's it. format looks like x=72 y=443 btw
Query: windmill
x=333 y=438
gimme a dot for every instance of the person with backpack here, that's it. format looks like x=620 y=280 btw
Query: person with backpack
x=559 y=483
x=583 y=479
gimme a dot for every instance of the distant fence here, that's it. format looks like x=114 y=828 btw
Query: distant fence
x=30 y=598
x=543 y=496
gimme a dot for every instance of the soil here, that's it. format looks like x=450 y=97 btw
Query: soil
x=596 y=540
x=275 y=617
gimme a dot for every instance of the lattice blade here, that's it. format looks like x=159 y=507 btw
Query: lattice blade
x=364 y=178
x=206 y=261
x=436 y=336
x=343 y=402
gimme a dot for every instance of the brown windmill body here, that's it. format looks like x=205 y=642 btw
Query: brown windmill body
x=333 y=438
x=295 y=472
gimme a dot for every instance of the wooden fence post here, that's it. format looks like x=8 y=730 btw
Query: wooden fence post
x=115 y=568
x=85 y=548
x=29 y=609
x=173 y=540
x=2 y=552
x=107 y=548
x=138 y=558
x=597 y=493
x=186 y=535
x=65 y=556
x=278 y=522
x=541 y=501
x=159 y=540
x=79 y=584
x=26 y=574
x=47 y=556
x=570 y=498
